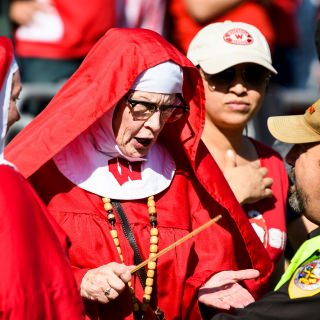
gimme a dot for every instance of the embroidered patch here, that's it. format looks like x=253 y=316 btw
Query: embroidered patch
x=238 y=36
x=306 y=280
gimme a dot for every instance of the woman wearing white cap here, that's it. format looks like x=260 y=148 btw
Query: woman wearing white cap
x=235 y=64
x=36 y=278
x=120 y=165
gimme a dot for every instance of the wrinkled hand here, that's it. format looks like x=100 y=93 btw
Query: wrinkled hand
x=22 y=12
x=248 y=182
x=111 y=277
x=223 y=291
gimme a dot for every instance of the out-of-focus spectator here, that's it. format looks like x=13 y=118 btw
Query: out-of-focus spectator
x=36 y=278
x=53 y=36
x=305 y=64
x=187 y=17
x=147 y=14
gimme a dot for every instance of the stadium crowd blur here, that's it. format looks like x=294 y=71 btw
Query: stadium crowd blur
x=52 y=37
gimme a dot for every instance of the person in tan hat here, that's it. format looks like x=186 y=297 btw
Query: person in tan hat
x=235 y=64
x=297 y=295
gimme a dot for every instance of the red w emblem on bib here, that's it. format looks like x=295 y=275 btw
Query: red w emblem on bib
x=123 y=170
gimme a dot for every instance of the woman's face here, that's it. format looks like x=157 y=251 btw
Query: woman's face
x=135 y=137
x=13 y=114
x=231 y=97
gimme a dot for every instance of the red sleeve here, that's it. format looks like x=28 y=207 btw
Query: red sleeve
x=36 y=279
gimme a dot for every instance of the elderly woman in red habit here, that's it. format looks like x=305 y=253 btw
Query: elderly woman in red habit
x=36 y=278
x=117 y=158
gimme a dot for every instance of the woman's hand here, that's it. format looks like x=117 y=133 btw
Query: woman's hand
x=249 y=182
x=223 y=291
x=105 y=283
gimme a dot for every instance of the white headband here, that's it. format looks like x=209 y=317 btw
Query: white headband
x=166 y=78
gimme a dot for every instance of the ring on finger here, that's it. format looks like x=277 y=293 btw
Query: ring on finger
x=107 y=292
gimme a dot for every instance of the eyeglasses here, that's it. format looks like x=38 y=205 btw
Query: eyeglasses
x=252 y=76
x=143 y=110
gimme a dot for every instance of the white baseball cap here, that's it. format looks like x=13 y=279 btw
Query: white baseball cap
x=222 y=45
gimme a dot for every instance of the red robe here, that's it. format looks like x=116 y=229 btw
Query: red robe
x=269 y=215
x=193 y=197
x=36 y=278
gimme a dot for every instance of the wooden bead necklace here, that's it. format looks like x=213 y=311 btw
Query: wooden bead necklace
x=153 y=250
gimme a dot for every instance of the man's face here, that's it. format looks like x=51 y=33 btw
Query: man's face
x=305 y=197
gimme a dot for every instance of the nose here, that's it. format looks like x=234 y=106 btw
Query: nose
x=154 y=122
x=293 y=155
x=237 y=85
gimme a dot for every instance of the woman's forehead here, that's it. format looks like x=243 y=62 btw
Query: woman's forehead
x=152 y=96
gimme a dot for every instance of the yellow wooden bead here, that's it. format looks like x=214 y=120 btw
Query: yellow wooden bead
x=152 y=210
x=151 y=198
x=114 y=233
x=111 y=216
x=130 y=287
x=152 y=265
x=146 y=298
x=150 y=273
x=154 y=239
x=148 y=290
x=106 y=200
x=154 y=248
x=121 y=258
x=154 y=232
x=119 y=250
x=135 y=307
x=107 y=206
x=116 y=242
x=151 y=203
x=149 y=282
x=152 y=254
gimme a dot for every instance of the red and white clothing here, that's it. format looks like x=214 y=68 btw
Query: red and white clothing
x=191 y=199
x=36 y=278
x=184 y=27
x=65 y=29
x=268 y=216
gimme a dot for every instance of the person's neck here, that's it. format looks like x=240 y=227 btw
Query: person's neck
x=223 y=139
x=218 y=140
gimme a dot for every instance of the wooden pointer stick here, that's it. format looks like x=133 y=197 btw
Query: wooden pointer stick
x=177 y=243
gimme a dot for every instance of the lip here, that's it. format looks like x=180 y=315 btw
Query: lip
x=238 y=106
x=142 y=142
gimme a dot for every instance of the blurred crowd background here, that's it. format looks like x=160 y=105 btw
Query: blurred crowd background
x=52 y=37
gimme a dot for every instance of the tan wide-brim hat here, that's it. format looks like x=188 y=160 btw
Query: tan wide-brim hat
x=297 y=128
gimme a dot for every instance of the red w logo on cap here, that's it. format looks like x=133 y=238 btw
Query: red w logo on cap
x=122 y=170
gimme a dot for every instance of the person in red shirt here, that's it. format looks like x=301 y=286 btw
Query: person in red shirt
x=235 y=63
x=36 y=277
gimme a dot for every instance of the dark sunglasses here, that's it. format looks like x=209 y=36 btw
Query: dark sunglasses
x=143 y=110
x=252 y=76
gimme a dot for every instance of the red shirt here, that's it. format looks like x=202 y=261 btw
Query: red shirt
x=84 y=22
